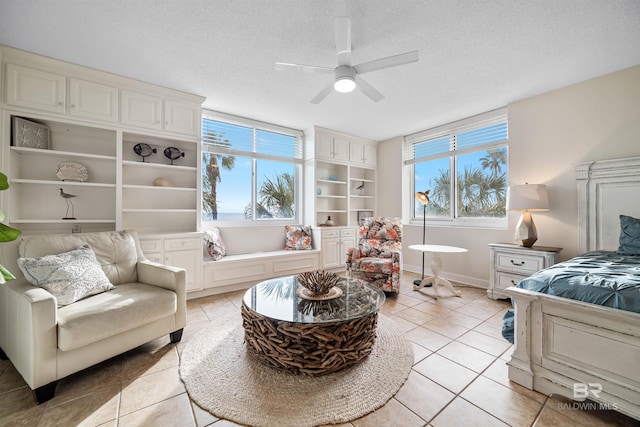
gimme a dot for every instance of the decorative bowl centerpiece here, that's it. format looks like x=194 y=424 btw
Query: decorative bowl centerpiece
x=318 y=285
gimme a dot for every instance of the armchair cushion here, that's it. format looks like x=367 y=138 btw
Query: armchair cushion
x=69 y=276
x=111 y=313
x=374 y=265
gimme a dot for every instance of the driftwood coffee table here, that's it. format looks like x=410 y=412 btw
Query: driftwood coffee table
x=308 y=337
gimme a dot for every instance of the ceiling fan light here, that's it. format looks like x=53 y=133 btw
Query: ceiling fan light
x=344 y=85
x=345 y=79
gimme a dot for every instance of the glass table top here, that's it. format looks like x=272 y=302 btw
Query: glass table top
x=277 y=299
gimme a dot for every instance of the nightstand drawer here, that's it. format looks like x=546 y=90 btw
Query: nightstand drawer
x=511 y=263
x=517 y=263
x=506 y=280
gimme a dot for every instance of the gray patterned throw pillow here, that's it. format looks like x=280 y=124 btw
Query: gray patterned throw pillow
x=69 y=276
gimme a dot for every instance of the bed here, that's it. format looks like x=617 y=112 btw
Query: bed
x=565 y=345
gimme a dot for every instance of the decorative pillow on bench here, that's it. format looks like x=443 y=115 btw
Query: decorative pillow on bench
x=214 y=244
x=297 y=238
x=69 y=276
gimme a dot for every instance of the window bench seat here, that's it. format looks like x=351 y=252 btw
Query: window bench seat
x=241 y=271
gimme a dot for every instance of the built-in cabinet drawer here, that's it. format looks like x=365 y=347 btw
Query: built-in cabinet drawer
x=510 y=263
x=182 y=244
x=151 y=246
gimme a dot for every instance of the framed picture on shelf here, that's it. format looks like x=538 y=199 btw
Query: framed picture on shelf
x=30 y=134
x=362 y=215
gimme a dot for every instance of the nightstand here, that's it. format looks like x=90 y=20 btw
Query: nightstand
x=511 y=263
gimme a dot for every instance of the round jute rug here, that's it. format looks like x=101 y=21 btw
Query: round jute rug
x=222 y=378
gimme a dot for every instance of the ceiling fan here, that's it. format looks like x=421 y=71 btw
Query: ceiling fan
x=347 y=76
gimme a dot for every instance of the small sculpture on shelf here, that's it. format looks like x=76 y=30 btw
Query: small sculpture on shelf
x=173 y=153
x=361 y=188
x=67 y=197
x=144 y=150
x=162 y=182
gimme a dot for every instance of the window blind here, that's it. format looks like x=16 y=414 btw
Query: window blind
x=476 y=133
x=238 y=135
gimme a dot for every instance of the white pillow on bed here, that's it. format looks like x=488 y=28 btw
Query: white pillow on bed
x=69 y=276
x=629 y=235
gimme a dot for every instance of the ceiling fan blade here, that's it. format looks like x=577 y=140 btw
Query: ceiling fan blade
x=368 y=90
x=343 y=40
x=388 y=62
x=323 y=94
x=280 y=66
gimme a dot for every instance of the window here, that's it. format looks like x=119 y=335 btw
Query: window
x=464 y=167
x=250 y=170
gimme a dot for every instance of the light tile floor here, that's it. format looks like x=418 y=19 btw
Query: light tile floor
x=459 y=377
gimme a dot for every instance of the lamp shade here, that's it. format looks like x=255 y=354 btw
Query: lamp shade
x=423 y=196
x=528 y=197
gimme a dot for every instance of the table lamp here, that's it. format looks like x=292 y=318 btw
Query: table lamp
x=527 y=198
x=423 y=197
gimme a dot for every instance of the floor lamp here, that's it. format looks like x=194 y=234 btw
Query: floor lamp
x=423 y=197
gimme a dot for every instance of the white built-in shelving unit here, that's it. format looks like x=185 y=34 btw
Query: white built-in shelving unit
x=340 y=175
x=95 y=119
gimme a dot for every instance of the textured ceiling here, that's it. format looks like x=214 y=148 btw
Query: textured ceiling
x=475 y=56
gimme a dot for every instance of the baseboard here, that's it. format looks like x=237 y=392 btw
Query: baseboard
x=458 y=278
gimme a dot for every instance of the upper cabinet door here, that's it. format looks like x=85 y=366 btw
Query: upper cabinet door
x=37 y=89
x=93 y=100
x=370 y=153
x=141 y=110
x=182 y=117
x=361 y=153
x=340 y=149
x=356 y=152
x=324 y=146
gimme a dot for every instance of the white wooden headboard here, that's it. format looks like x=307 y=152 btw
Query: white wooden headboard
x=606 y=189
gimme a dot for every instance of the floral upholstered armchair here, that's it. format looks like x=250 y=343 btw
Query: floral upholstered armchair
x=378 y=257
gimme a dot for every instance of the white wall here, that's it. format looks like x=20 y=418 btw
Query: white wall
x=548 y=135
x=389 y=178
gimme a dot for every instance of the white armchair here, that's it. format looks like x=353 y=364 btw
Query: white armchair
x=46 y=343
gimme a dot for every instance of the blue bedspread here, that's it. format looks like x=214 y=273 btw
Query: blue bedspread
x=599 y=277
